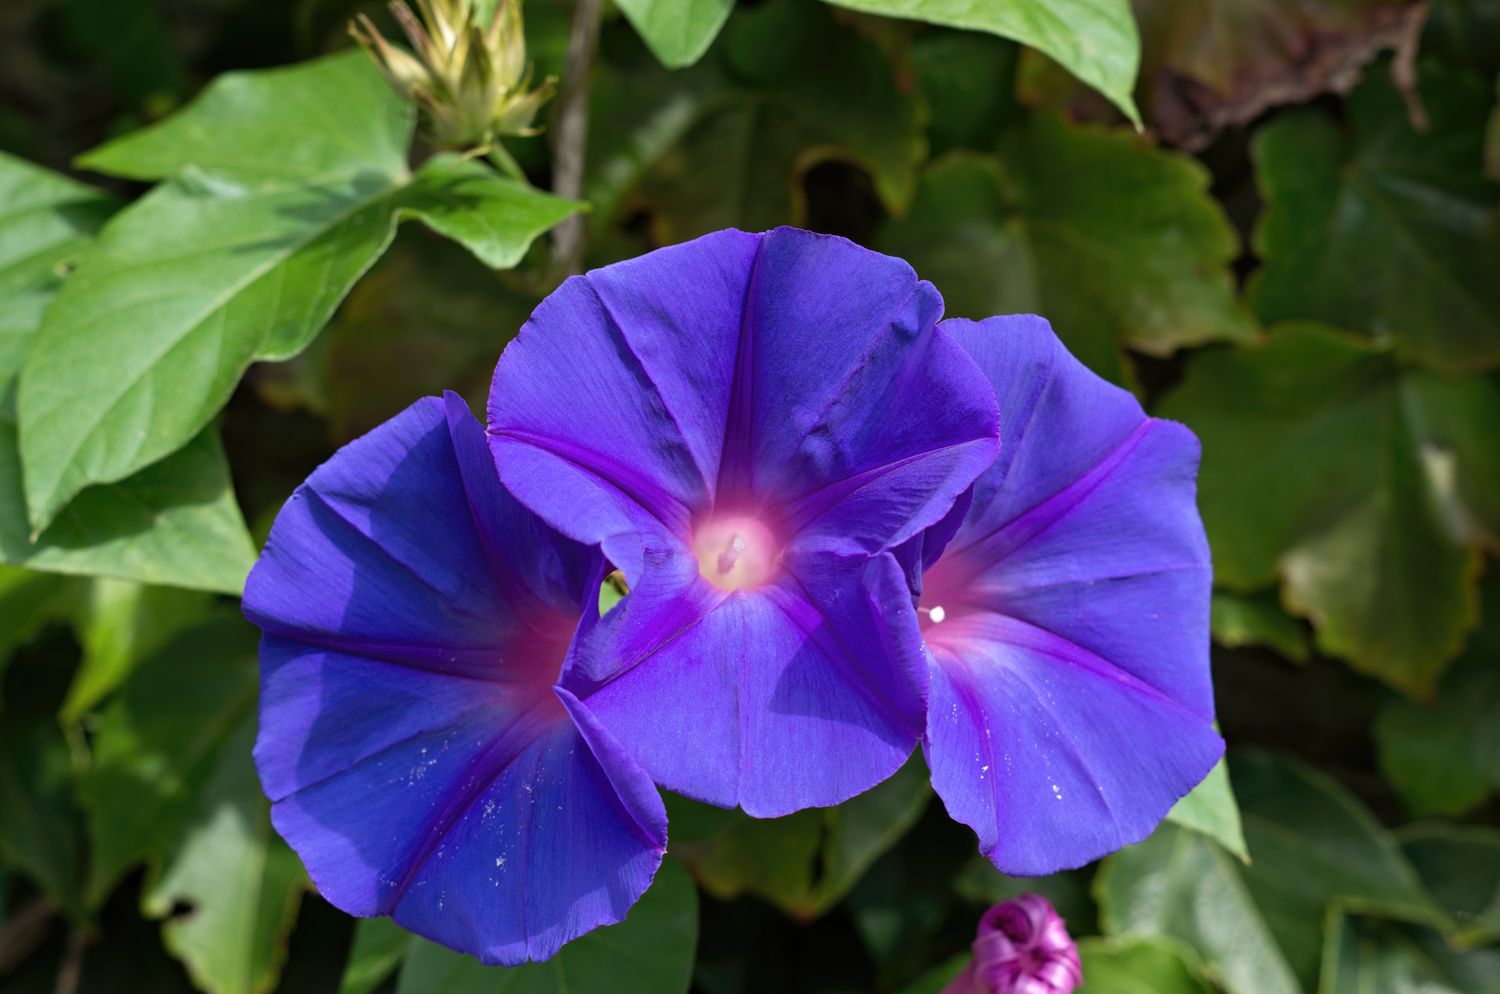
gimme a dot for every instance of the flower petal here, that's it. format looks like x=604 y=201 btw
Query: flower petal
x=1058 y=419
x=608 y=411
x=510 y=830
x=322 y=712
x=1051 y=754
x=362 y=759
x=1075 y=650
x=797 y=695
x=861 y=421
x=525 y=555
x=788 y=370
x=564 y=840
x=403 y=546
x=1116 y=562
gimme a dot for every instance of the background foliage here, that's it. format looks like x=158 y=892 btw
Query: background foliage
x=206 y=286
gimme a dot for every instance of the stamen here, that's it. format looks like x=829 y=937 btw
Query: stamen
x=934 y=614
x=736 y=552
x=731 y=555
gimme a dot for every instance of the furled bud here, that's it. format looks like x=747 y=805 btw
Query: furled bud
x=471 y=80
x=1022 y=947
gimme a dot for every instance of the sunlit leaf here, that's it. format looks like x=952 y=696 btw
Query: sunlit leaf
x=320 y=120
x=226 y=264
x=230 y=929
x=161 y=742
x=174 y=523
x=46 y=220
x=1096 y=40
x=120 y=623
x=230 y=886
x=1157 y=888
x=495 y=218
x=677 y=31
x=1210 y=809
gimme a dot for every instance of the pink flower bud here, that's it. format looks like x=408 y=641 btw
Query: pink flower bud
x=1022 y=947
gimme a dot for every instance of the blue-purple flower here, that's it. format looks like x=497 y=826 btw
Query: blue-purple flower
x=418 y=739
x=747 y=424
x=1065 y=608
x=795 y=466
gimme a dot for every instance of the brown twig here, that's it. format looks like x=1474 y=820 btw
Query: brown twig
x=71 y=970
x=572 y=132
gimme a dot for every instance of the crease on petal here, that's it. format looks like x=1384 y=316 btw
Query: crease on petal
x=999 y=588
x=484 y=769
x=642 y=492
x=553 y=570
x=644 y=370
x=919 y=475
x=550 y=850
x=468 y=662
x=452 y=723
x=296 y=750
x=989 y=550
x=807 y=508
x=880 y=576
x=736 y=478
x=382 y=552
x=637 y=795
x=640 y=626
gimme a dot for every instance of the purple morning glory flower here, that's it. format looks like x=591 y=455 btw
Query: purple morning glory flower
x=1067 y=618
x=1022 y=947
x=421 y=751
x=747 y=424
